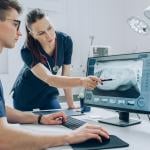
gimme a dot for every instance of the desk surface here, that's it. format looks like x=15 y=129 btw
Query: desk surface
x=138 y=136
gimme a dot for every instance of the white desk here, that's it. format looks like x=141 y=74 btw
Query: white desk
x=138 y=136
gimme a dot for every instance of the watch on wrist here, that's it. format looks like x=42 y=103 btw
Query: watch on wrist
x=39 y=119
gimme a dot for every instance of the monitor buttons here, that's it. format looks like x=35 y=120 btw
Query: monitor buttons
x=140 y=102
x=112 y=101
x=96 y=99
x=88 y=96
x=131 y=103
x=122 y=102
x=105 y=100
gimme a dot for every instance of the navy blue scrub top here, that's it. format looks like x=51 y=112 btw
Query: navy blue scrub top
x=28 y=89
x=2 y=103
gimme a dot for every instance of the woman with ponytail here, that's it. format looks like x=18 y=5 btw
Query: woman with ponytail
x=44 y=53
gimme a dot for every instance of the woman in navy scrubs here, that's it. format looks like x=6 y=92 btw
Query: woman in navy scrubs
x=44 y=53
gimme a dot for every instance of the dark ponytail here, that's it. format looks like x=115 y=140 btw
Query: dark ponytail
x=32 y=44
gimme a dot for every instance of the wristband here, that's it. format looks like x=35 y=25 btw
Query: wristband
x=39 y=119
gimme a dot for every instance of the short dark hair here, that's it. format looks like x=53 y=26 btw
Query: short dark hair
x=6 y=5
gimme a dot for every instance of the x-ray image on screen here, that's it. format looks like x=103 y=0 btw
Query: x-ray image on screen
x=126 y=78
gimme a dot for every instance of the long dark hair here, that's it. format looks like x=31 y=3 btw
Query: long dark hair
x=32 y=44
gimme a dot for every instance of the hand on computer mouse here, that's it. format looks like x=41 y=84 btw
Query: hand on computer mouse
x=94 y=142
x=86 y=132
x=104 y=139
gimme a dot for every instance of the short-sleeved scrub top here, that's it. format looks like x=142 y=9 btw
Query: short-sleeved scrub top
x=29 y=92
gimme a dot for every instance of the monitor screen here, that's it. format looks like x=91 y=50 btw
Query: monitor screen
x=125 y=78
x=126 y=82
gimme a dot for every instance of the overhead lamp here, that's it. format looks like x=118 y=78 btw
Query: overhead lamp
x=139 y=25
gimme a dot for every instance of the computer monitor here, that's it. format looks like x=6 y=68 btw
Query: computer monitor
x=127 y=88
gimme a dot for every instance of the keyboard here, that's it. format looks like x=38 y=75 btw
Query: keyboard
x=73 y=123
x=68 y=112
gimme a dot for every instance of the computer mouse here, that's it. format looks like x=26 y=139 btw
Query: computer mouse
x=105 y=140
x=92 y=143
x=95 y=141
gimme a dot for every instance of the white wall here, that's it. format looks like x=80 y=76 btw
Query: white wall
x=104 y=19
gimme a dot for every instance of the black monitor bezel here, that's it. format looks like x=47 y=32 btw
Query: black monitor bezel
x=129 y=56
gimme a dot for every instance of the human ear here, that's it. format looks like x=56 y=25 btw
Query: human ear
x=33 y=35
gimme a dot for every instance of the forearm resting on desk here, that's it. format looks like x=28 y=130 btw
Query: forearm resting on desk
x=16 y=116
x=17 y=139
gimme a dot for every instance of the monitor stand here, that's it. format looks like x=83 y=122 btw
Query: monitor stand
x=122 y=121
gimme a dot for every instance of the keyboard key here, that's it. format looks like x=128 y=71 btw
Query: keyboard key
x=73 y=123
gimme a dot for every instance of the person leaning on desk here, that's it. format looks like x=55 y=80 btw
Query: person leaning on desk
x=17 y=139
x=44 y=53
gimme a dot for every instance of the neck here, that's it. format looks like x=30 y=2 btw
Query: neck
x=49 y=49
